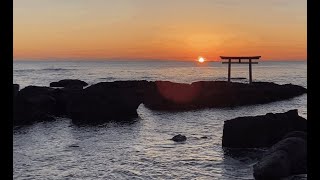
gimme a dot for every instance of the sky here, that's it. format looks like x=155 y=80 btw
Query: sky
x=159 y=29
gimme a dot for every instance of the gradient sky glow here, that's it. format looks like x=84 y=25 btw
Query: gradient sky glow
x=159 y=29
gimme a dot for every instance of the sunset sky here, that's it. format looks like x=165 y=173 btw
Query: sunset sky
x=159 y=29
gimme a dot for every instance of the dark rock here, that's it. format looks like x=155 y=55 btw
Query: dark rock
x=300 y=134
x=261 y=131
x=204 y=137
x=69 y=83
x=15 y=89
x=166 y=95
x=120 y=99
x=106 y=101
x=33 y=104
x=179 y=138
x=285 y=158
x=273 y=166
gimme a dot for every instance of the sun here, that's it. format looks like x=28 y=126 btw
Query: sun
x=201 y=59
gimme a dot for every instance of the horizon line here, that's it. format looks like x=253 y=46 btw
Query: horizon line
x=135 y=59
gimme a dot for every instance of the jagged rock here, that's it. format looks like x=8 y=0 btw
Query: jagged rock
x=261 y=131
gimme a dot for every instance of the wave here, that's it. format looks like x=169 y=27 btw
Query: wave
x=57 y=69
x=107 y=78
x=24 y=70
x=46 y=69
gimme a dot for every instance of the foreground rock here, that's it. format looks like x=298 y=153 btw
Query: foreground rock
x=285 y=158
x=165 y=95
x=69 y=83
x=179 y=138
x=261 y=131
x=106 y=101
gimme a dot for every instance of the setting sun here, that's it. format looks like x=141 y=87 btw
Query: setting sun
x=201 y=59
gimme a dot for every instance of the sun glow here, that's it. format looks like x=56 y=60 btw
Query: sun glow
x=201 y=59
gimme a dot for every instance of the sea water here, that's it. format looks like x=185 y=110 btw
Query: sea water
x=141 y=149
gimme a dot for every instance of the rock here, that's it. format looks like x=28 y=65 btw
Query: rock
x=179 y=138
x=106 y=101
x=273 y=166
x=285 y=158
x=69 y=83
x=33 y=104
x=300 y=134
x=169 y=96
x=261 y=131
x=15 y=89
x=204 y=137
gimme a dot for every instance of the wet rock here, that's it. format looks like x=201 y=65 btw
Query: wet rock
x=179 y=138
x=285 y=158
x=69 y=83
x=261 y=131
x=300 y=134
x=273 y=166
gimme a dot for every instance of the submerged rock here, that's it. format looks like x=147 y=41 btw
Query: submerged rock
x=69 y=83
x=179 y=138
x=261 y=131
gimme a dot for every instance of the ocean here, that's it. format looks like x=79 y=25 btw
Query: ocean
x=141 y=149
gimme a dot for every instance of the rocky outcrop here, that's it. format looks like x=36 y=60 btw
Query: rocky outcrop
x=69 y=83
x=165 y=95
x=261 y=131
x=120 y=99
x=285 y=158
x=106 y=101
x=179 y=138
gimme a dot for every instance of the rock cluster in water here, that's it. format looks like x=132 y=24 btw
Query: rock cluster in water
x=285 y=134
x=120 y=99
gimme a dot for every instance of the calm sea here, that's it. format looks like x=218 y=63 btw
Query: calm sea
x=141 y=149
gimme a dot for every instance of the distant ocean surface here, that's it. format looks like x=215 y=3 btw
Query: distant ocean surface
x=141 y=149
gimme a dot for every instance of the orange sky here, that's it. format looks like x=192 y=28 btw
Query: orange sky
x=159 y=29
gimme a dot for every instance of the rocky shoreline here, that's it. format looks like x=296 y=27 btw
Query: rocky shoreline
x=106 y=101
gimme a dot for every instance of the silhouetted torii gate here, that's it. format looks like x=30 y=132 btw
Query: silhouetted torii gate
x=239 y=58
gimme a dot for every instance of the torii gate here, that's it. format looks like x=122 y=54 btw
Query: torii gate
x=239 y=58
